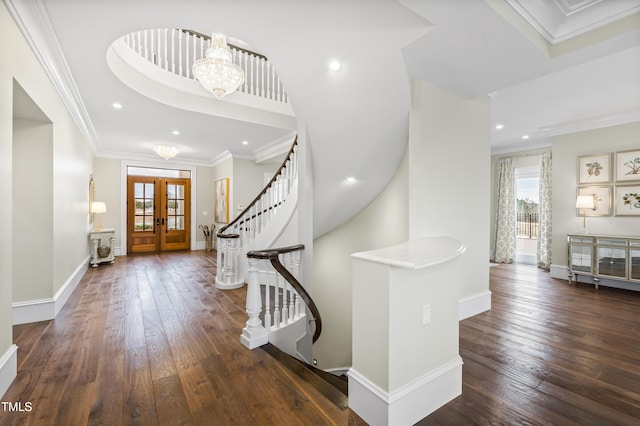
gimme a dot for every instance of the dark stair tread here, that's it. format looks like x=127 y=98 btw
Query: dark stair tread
x=334 y=388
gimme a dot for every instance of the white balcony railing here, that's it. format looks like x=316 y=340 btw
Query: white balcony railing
x=175 y=50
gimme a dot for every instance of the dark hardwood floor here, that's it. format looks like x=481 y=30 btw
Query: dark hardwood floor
x=149 y=340
x=548 y=353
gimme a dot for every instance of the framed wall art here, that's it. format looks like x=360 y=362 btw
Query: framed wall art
x=627 y=200
x=602 y=200
x=221 y=198
x=628 y=166
x=594 y=168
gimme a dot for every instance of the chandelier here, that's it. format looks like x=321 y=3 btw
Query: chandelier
x=166 y=151
x=216 y=71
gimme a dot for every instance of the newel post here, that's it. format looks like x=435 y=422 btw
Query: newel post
x=228 y=276
x=254 y=333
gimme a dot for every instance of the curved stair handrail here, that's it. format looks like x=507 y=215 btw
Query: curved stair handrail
x=242 y=217
x=273 y=256
x=236 y=238
x=276 y=315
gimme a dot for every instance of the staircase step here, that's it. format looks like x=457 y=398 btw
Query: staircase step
x=334 y=388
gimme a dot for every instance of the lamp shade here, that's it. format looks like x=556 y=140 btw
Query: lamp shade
x=98 y=207
x=585 y=202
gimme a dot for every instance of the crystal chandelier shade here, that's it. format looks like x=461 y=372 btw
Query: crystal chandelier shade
x=216 y=71
x=166 y=151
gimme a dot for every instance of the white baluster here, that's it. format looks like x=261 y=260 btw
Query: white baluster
x=267 y=300
x=179 y=52
x=254 y=221
x=298 y=313
x=262 y=212
x=243 y=64
x=269 y=196
x=194 y=58
x=186 y=56
x=254 y=334
x=173 y=50
x=285 y=300
x=268 y=83
x=292 y=305
x=146 y=49
x=262 y=79
x=165 y=65
x=276 y=300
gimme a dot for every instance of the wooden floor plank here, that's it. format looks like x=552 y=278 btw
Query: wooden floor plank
x=150 y=340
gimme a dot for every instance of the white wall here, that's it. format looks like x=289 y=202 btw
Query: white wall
x=248 y=181
x=32 y=210
x=108 y=189
x=565 y=151
x=449 y=179
x=72 y=167
x=385 y=222
x=222 y=171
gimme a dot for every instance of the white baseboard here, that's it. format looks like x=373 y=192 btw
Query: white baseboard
x=47 y=309
x=8 y=368
x=411 y=402
x=558 y=271
x=474 y=305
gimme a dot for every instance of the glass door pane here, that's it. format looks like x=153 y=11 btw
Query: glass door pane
x=612 y=262
x=581 y=258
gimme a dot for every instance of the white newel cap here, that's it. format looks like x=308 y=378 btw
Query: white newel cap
x=416 y=253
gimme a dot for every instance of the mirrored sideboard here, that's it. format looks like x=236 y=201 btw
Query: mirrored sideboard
x=603 y=256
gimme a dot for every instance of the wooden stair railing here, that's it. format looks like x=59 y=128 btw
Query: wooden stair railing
x=284 y=289
x=235 y=237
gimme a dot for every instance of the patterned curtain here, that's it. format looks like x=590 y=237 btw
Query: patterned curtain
x=544 y=234
x=505 y=246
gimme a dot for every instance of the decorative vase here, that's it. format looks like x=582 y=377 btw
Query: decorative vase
x=103 y=251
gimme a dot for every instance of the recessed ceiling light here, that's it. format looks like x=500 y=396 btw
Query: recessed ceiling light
x=176 y=132
x=351 y=179
x=335 y=65
x=525 y=137
x=245 y=143
x=499 y=126
x=117 y=105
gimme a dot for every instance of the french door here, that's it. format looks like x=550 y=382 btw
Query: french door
x=158 y=214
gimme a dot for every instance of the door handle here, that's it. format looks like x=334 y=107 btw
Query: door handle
x=163 y=221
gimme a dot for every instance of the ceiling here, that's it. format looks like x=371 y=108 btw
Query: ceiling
x=569 y=66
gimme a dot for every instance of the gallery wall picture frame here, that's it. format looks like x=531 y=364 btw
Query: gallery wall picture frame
x=628 y=166
x=221 y=200
x=627 y=200
x=594 y=168
x=603 y=200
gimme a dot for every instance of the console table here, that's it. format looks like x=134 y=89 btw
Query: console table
x=102 y=246
x=603 y=256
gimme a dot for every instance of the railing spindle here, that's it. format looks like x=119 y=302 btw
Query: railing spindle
x=267 y=299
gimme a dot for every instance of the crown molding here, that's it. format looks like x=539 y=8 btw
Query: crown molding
x=221 y=158
x=275 y=148
x=32 y=19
